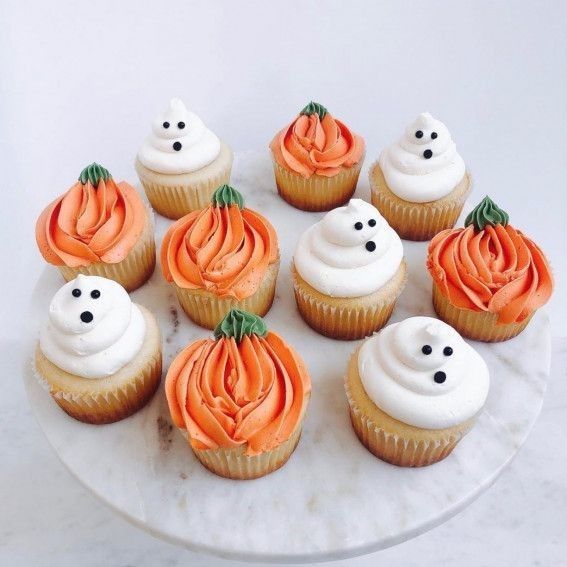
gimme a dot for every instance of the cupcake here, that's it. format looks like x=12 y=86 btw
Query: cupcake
x=182 y=162
x=99 y=228
x=239 y=398
x=488 y=278
x=348 y=271
x=99 y=353
x=220 y=257
x=317 y=160
x=414 y=391
x=420 y=184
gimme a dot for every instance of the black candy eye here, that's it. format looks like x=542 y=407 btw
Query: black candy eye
x=427 y=154
x=419 y=134
x=177 y=146
x=447 y=351
x=426 y=349
x=166 y=125
x=76 y=292
x=440 y=377
x=181 y=125
x=95 y=293
x=433 y=135
x=358 y=225
x=372 y=222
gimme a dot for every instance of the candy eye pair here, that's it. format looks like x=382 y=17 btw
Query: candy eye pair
x=180 y=125
x=95 y=293
x=419 y=134
x=359 y=226
x=426 y=349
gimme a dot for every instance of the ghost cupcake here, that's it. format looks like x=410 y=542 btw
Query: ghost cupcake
x=348 y=270
x=420 y=183
x=98 y=353
x=240 y=398
x=414 y=390
x=488 y=278
x=181 y=162
x=317 y=160
x=222 y=256
x=99 y=227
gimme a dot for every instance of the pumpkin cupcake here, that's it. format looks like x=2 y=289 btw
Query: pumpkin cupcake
x=488 y=278
x=317 y=160
x=221 y=257
x=414 y=390
x=99 y=353
x=420 y=184
x=100 y=228
x=239 y=398
x=182 y=162
x=348 y=271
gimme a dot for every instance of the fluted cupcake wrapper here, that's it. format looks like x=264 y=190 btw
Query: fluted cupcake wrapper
x=175 y=195
x=317 y=193
x=208 y=309
x=106 y=400
x=132 y=272
x=405 y=446
x=417 y=221
x=476 y=325
x=348 y=318
x=236 y=464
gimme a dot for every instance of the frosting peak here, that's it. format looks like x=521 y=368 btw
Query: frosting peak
x=421 y=372
x=351 y=252
x=315 y=108
x=486 y=212
x=424 y=164
x=225 y=196
x=94 y=173
x=237 y=324
x=179 y=143
x=94 y=329
x=316 y=143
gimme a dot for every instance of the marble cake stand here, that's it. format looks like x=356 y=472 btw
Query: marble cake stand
x=333 y=499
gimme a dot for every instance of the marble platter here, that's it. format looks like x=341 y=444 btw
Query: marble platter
x=333 y=499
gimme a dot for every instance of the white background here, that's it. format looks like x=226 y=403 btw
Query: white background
x=80 y=82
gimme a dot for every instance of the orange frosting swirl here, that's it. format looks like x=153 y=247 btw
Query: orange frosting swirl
x=227 y=394
x=223 y=249
x=90 y=224
x=313 y=145
x=497 y=269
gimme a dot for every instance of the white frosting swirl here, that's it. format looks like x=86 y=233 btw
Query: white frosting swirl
x=92 y=335
x=431 y=391
x=411 y=174
x=351 y=252
x=185 y=145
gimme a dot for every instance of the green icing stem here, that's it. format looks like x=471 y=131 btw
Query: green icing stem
x=94 y=173
x=238 y=323
x=315 y=108
x=486 y=212
x=225 y=196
